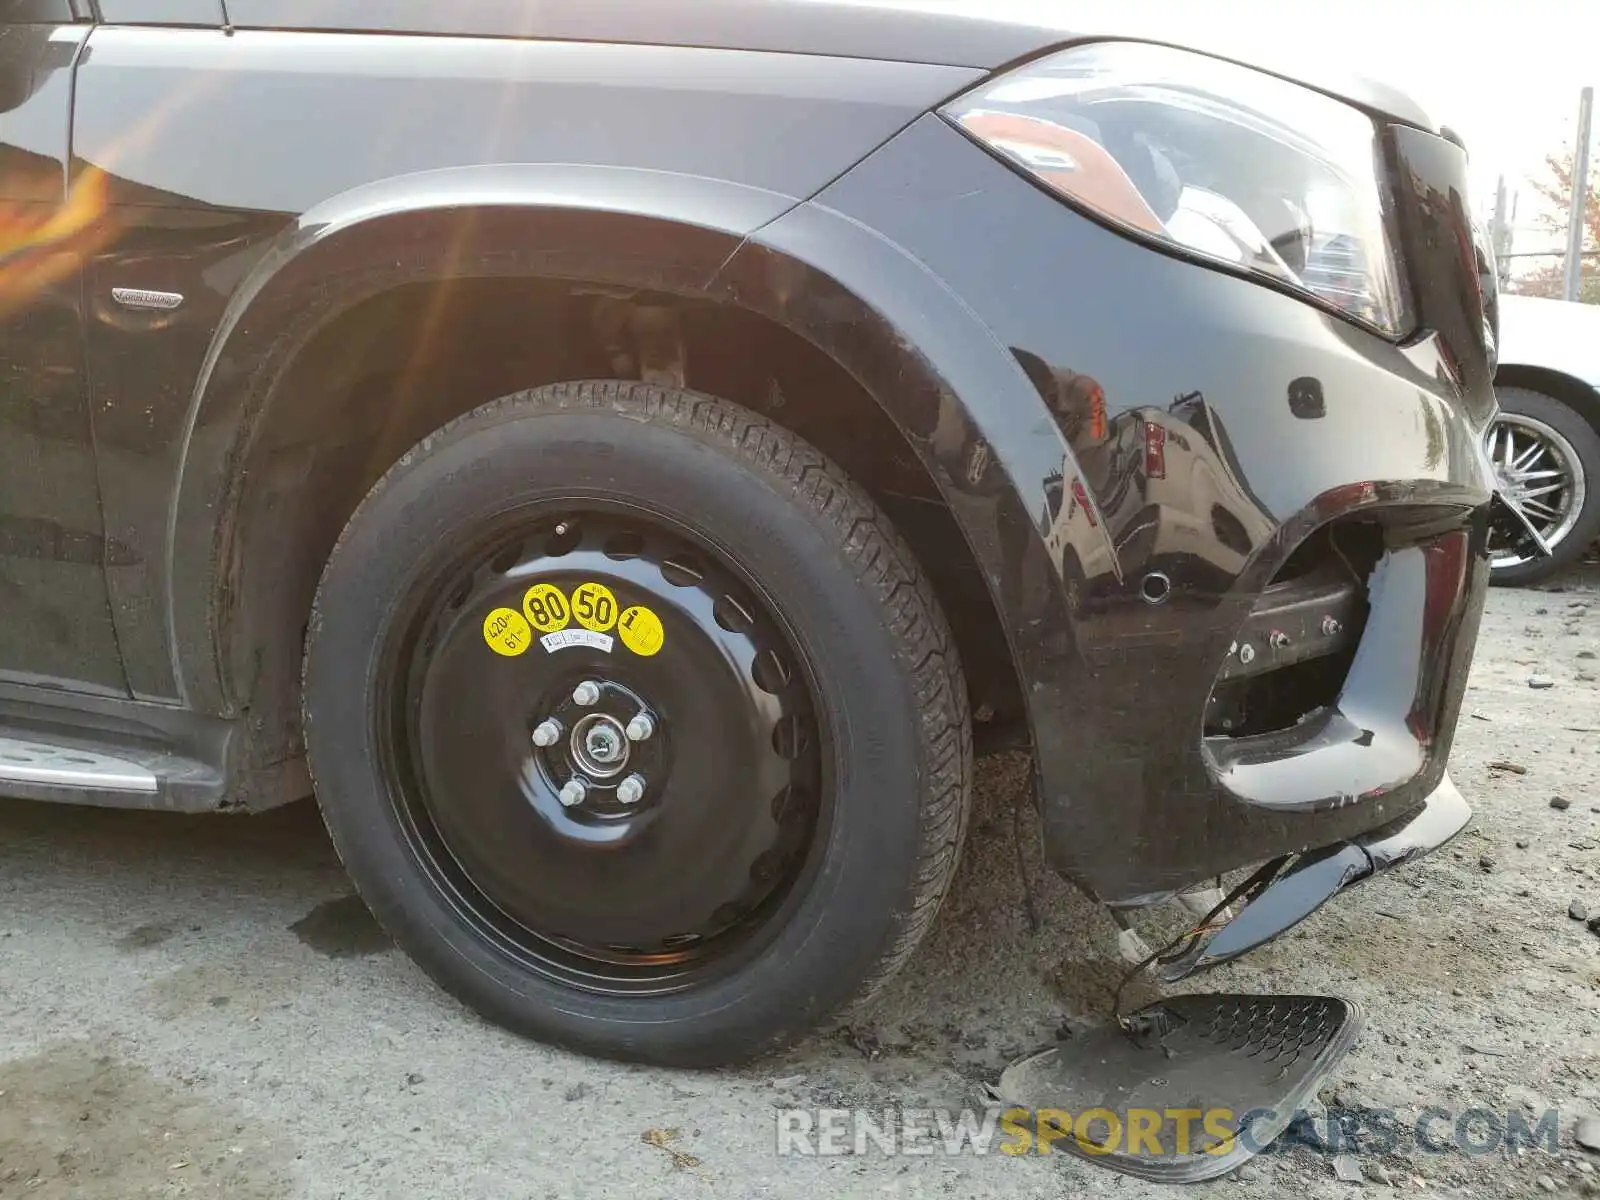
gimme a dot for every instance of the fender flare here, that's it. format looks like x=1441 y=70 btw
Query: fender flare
x=629 y=227
x=1000 y=462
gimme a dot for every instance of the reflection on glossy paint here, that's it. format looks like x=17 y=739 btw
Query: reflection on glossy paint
x=40 y=248
x=57 y=629
x=913 y=271
x=1165 y=482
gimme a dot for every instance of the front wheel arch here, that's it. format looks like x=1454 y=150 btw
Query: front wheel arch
x=230 y=534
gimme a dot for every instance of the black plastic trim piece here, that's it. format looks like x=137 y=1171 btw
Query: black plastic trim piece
x=1322 y=874
x=189 y=754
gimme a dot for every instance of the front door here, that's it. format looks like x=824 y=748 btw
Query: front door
x=55 y=619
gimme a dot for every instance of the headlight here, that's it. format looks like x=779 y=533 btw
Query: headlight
x=1242 y=168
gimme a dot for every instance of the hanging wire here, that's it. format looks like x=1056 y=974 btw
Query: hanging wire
x=1179 y=946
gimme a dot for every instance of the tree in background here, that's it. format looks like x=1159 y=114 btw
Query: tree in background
x=1555 y=189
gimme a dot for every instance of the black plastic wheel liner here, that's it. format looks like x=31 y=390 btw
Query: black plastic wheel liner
x=1196 y=1086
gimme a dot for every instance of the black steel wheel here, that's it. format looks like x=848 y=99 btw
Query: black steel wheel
x=706 y=750
x=636 y=724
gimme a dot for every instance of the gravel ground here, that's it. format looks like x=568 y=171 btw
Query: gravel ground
x=198 y=1007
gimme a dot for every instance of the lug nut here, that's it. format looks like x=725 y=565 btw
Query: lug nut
x=573 y=792
x=586 y=693
x=547 y=732
x=640 y=728
x=631 y=789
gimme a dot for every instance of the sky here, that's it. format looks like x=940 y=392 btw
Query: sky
x=1505 y=74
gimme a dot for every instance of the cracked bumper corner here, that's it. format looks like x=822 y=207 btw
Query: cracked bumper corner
x=1319 y=875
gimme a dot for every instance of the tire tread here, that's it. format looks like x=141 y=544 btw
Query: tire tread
x=880 y=559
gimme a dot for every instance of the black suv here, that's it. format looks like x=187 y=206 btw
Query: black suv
x=624 y=456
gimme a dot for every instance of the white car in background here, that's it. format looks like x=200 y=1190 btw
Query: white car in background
x=1545 y=444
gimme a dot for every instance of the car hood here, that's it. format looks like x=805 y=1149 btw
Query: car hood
x=978 y=34
x=985 y=34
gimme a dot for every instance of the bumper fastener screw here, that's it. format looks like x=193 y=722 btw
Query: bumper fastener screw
x=1330 y=627
x=1247 y=654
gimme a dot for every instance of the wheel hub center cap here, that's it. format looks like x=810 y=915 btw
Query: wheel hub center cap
x=599 y=745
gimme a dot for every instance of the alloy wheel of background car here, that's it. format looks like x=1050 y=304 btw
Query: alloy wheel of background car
x=1538 y=468
x=1547 y=459
x=636 y=725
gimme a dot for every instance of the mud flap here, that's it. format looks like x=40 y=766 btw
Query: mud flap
x=1191 y=1088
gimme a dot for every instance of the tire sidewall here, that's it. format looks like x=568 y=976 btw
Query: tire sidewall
x=529 y=451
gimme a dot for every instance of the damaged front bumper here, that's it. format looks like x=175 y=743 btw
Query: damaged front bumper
x=1237 y=545
x=1304 y=884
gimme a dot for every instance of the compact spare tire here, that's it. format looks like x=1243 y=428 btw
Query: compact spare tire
x=1547 y=457
x=636 y=724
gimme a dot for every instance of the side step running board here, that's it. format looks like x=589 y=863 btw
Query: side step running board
x=32 y=764
x=112 y=752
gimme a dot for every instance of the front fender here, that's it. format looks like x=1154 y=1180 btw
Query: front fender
x=867 y=304
x=636 y=228
x=974 y=410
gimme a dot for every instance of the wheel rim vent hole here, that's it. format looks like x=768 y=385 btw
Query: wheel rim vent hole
x=789 y=737
x=783 y=803
x=563 y=539
x=682 y=571
x=623 y=546
x=770 y=672
x=732 y=616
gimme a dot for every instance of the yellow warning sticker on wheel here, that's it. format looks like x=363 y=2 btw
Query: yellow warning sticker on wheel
x=506 y=632
x=546 y=608
x=594 y=606
x=640 y=630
